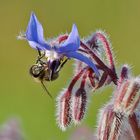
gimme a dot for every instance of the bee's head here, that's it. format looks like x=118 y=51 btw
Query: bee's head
x=54 y=65
x=36 y=70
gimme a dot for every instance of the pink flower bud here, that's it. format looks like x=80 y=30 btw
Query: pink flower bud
x=79 y=103
x=64 y=103
x=100 y=41
x=124 y=74
x=110 y=124
x=63 y=112
x=127 y=96
x=79 y=99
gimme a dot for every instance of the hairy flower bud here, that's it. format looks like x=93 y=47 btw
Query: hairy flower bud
x=124 y=72
x=63 y=111
x=110 y=124
x=79 y=103
x=79 y=99
x=127 y=96
x=100 y=41
x=124 y=75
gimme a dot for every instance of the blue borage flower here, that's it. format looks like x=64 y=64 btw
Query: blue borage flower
x=35 y=37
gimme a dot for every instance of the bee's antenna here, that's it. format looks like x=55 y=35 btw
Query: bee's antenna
x=44 y=87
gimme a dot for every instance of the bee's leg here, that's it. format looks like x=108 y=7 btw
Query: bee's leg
x=61 y=65
x=40 y=56
x=39 y=52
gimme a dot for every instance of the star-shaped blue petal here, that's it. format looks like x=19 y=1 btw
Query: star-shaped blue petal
x=84 y=59
x=34 y=34
x=72 y=43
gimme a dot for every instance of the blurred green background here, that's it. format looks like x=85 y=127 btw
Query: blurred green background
x=20 y=96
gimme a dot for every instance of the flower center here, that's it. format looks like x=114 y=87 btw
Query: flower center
x=51 y=55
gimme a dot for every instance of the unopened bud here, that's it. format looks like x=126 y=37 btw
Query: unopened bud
x=64 y=116
x=127 y=96
x=110 y=124
x=79 y=102
x=63 y=110
x=124 y=75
